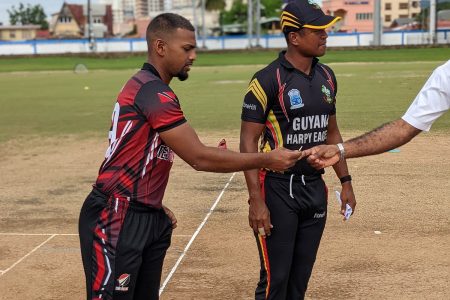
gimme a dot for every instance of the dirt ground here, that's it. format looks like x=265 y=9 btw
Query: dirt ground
x=403 y=195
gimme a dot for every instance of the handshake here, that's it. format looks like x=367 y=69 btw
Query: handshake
x=319 y=157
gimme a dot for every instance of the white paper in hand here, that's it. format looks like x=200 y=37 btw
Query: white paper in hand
x=348 y=208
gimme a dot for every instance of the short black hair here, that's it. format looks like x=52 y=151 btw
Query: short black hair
x=166 y=23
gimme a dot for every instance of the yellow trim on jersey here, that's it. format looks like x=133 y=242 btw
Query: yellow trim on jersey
x=266 y=147
x=276 y=127
x=259 y=93
x=323 y=26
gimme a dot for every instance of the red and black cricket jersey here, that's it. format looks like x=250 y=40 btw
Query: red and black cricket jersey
x=294 y=106
x=137 y=162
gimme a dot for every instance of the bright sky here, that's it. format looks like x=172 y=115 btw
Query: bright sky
x=50 y=6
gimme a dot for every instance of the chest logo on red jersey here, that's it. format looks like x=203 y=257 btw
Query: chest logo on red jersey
x=165 y=153
x=296 y=99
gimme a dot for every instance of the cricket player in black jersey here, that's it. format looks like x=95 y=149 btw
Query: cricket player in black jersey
x=291 y=103
x=124 y=228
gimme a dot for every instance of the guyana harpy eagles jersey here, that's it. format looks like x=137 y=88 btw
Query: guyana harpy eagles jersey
x=295 y=107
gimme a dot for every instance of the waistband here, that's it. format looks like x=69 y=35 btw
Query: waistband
x=136 y=206
x=294 y=176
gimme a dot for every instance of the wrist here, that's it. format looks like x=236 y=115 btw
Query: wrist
x=341 y=149
x=346 y=179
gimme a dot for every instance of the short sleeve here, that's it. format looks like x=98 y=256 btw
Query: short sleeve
x=257 y=100
x=432 y=101
x=160 y=106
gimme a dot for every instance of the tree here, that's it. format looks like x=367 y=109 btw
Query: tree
x=236 y=15
x=424 y=15
x=238 y=11
x=214 y=4
x=271 y=8
x=31 y=14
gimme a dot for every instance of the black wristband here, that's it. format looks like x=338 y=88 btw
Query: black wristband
x=344 y=179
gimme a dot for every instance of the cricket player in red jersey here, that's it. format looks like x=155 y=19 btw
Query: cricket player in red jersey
x=124 y=228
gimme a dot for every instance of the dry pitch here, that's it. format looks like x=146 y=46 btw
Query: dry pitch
x=403 y=195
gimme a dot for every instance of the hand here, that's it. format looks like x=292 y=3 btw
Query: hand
x=282 y=159
x=322 y=156
x=347 y=196
x=259 y=216
x=171 y=216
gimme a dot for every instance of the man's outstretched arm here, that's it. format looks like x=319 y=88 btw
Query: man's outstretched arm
x=379 y=140
x=185 y=143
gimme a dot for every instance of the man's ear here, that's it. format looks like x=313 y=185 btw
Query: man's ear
x=294 y=38
x=160 y=47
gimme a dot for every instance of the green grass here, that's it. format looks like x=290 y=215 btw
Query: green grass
x=56 y=103
x=8 y=64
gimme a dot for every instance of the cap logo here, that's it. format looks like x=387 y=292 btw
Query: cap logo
x=314 y=3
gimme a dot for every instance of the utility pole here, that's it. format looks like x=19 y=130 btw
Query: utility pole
x=91 y=40
x=250 y=22
x=203 y=25
x=257 y=23
x=377 y=23
x=432 y=22
x=194 y=16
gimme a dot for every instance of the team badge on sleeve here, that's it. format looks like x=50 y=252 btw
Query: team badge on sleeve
x=296 y=99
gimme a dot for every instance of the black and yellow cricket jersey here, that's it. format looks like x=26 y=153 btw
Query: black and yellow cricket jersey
x=294 y=106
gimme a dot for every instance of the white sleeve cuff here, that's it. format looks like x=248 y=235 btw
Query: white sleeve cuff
x=416 y=123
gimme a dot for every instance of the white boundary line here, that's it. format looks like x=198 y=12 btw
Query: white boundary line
x=28 y=254
x=166 y=281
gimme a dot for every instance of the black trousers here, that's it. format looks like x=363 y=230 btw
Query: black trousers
x=123 y=246
x=298 y=213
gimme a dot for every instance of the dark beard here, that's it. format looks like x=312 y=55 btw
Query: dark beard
x=182 y=75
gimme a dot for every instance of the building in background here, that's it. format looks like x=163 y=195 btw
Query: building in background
x=357 y=15
x=71 y=21
x=403 y=12
x=19 y=32
x=123 y=15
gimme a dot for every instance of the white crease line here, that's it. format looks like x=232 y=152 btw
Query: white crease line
x=29 y=253
x=40 y=234
x=166 y=281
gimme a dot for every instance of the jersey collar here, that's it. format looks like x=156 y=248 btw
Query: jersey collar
x=150 y=68
x=285 y=63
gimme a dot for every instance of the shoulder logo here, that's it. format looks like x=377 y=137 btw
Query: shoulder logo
x=296 y=99
x=327 y=94
x=123 y=282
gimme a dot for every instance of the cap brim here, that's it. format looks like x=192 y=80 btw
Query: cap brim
x=322 y=22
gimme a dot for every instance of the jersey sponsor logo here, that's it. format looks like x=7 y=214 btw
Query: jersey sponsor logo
x=296 y=99
x=123 y=282
x=319 y=215
x=249 y=106
x=165 y=153
x=327 y=94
